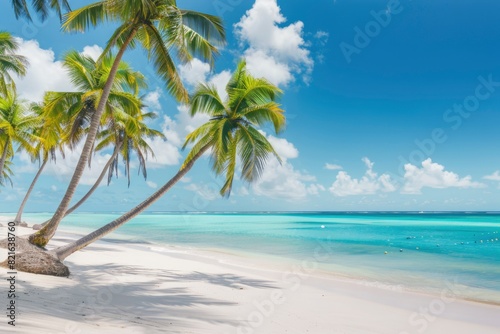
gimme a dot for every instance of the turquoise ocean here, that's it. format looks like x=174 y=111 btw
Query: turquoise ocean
x=418 y=251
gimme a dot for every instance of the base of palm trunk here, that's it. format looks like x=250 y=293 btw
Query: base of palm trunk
x=32 y=259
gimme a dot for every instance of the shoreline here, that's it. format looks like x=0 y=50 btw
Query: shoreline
x=137 y=288
x=256 y=261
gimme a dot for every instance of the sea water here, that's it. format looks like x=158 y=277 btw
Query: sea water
x=422 y=251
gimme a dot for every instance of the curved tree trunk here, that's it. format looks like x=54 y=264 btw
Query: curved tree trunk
x=97 y=182
x=42 y=237
x=3 y=158
x=64 y=251
x=28 y=193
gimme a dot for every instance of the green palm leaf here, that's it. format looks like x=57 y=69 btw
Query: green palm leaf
x=232 y=132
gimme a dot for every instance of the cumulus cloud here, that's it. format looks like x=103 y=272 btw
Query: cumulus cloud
x=194 y=72
x=369 y=184
x=273 y=51
x=332 y=166
x=283 y=147
x=197 y=72
x=152 y=100
x=93 y=51
x=283 y=180
x=175 y=128
x=44 y=72
x=220 y=81
x=493 y=177
x=433 y=175
x=63 y=169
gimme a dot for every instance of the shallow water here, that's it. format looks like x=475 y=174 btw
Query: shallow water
x=424 y=251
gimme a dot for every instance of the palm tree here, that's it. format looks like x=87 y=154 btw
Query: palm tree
x=126 y=134
x=129 y=134
x=159 y=26
x=90 y=77
x=41 y=7
x=6 y=174
x=9 y=61
x=231 y=133
x=17 y=123
x=70 y=111
x=49 y=142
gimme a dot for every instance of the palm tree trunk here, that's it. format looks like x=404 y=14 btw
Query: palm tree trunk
x=28 y=193
x=64 y=251
x=4 y=157
x=97 y=182
x=42 y=237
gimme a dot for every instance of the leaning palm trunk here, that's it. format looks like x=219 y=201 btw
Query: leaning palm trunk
x=95 y=186
x=4 y=157
x=42 y=237
x=28 y=193
x=97 y=182
x=64 y=251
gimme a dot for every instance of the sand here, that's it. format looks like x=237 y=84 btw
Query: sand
x=117 y=286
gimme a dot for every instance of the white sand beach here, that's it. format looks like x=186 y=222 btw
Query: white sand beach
x=120 y=287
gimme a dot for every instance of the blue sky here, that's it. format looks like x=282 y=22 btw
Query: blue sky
x=391 y=105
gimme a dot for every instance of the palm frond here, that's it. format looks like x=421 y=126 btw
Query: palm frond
x=88 y=16
x=164 y=64
x=206 y=99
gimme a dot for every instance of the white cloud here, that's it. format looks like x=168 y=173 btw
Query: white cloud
x=166 y=151
x=93 y=51
x=63 y=169
x=207 y=191
x=151 y=184
x=433 y=175
x=493 y=177
x=194 y=72
x=314 y=189
x=197 y=72
x=332 y=166
x=277 y=53
x=283 y=180
x=283 y=147
x=152 y=100
x=176 y=128
x=321 y=34
x=44 y=73
x=261 y=64
x=220 y=81
x=369 y=184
